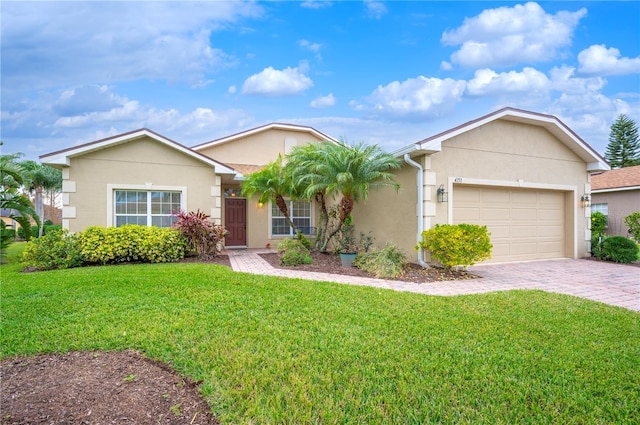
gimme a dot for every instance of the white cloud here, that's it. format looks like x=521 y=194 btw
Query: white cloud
x=511 y=35
x=487 y=82
x=109 y=42
x=273 y=82
x=232 y=89
x=313 y=47
x=375 y=9
x=323 y=101
x=415 y=97
x=564 y=80
x=316 y=4
x=597 y=59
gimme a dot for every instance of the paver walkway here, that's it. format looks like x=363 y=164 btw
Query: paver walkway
x=615 y=284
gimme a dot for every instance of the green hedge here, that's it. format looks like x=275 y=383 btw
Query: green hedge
x=100 y=245
x=457 y=245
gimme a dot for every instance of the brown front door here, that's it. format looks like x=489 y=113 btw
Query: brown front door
x=235 y=221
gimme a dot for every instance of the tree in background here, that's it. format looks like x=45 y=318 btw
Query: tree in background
x=39 y=179
x=623 y=149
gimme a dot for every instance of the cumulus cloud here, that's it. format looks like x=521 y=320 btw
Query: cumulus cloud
x=109 y=42
x=488 y=82
x=375 y=9
x=274 y=82
x=597 y=59
x=415 y=97
x=510 y=35
x=323 y=101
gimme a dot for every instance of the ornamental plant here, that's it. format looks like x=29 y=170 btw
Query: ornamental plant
x=388 y=262
x=56 y=249
x=457 y=245
x=200 y=235
x=633 y=223
x=293 y=252
x=619 y=249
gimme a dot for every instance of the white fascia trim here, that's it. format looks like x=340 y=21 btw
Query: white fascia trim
x=516 y=185
x=598 y=166
x=63 y=158
x=142 y=187
x=415 y=149
x=616 y=189
x=267 y=127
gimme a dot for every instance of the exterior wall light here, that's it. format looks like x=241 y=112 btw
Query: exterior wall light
x=442 y=194
x=585 y=200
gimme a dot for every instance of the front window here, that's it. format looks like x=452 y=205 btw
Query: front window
x=146 y=208
x=300 y=213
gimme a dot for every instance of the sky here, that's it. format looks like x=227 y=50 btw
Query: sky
x=388 y=73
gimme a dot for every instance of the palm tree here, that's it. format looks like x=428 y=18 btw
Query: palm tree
x=38 y=179
x=272 y=183
x=20 y=207
x=341 y=169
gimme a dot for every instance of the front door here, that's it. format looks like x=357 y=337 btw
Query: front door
x=235 y=221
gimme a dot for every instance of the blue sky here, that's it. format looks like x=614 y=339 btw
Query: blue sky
x=390 y=73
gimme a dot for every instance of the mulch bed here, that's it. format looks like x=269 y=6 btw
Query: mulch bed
x=97 y=388
x=327 y=263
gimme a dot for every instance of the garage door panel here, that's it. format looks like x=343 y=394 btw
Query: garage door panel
x=524 y=224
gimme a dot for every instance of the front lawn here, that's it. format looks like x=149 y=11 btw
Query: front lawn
x=276 y=350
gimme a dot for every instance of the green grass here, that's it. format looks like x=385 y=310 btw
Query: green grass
x=273 y=350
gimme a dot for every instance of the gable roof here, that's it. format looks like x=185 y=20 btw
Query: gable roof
x=272 y=126
x=553 y=125
x=627 y=178
x=62 y=157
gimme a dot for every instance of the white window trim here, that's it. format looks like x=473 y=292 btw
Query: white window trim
x=111 y=188
x=270 y=223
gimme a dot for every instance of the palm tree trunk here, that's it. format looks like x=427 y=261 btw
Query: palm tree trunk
x=282 y=206
x=40 y=207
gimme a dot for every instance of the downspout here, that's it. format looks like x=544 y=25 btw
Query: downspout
x=414 y=164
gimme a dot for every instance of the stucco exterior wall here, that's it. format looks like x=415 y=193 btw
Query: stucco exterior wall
x=259 y=148
x=620 y=204
x=142 y=164
x=391 y=216
x=501 y=153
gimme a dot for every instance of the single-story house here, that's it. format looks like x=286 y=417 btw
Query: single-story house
x=616 y=194
x=521 y=173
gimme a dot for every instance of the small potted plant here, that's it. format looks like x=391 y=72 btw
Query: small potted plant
x=346 y=244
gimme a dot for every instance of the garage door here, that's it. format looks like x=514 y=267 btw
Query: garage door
x=524 y=224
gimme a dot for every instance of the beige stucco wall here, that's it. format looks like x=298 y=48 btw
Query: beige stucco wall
x=259 y=148
x=620 y=205
x=144 y=164
x=502 y=154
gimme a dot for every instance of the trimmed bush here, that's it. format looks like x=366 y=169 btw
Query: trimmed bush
x=388 y=262
x=457 y=245
x=633 y=223
x=100 y=245
x=56 y=250
x=619 y=249
x=293 y=252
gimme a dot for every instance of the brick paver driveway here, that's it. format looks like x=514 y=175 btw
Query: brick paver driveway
x=615 y=284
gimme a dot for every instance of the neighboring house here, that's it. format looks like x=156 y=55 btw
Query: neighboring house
x=520 y=173
x=616 y=194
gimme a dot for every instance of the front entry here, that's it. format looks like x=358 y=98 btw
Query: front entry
x=235 y=221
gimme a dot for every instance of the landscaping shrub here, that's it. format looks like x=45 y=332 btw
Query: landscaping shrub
x=388 y=262
x=293 y=252
x=56 y=250
x=303 y=239
x=131 y=243
x=46 y=228
x=7 y=236
x=457 y=245
x=633 y=223
x=200 y=235
x=598 y=227
x=619 y=249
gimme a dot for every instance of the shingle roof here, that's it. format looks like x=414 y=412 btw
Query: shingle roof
x=618 y=178
x=245 y=169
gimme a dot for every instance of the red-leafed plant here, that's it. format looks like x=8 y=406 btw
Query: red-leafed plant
x=201 y=235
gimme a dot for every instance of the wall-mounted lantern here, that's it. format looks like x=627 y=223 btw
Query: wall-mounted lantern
x=442 y=194
x=585 y=200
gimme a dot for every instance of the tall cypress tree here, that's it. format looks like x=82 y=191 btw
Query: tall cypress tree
x=623 y=149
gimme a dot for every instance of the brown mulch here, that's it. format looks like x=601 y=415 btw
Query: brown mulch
x=97 y=388
x=328 y=263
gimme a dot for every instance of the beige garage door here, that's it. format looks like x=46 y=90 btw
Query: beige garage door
x=524 y=224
